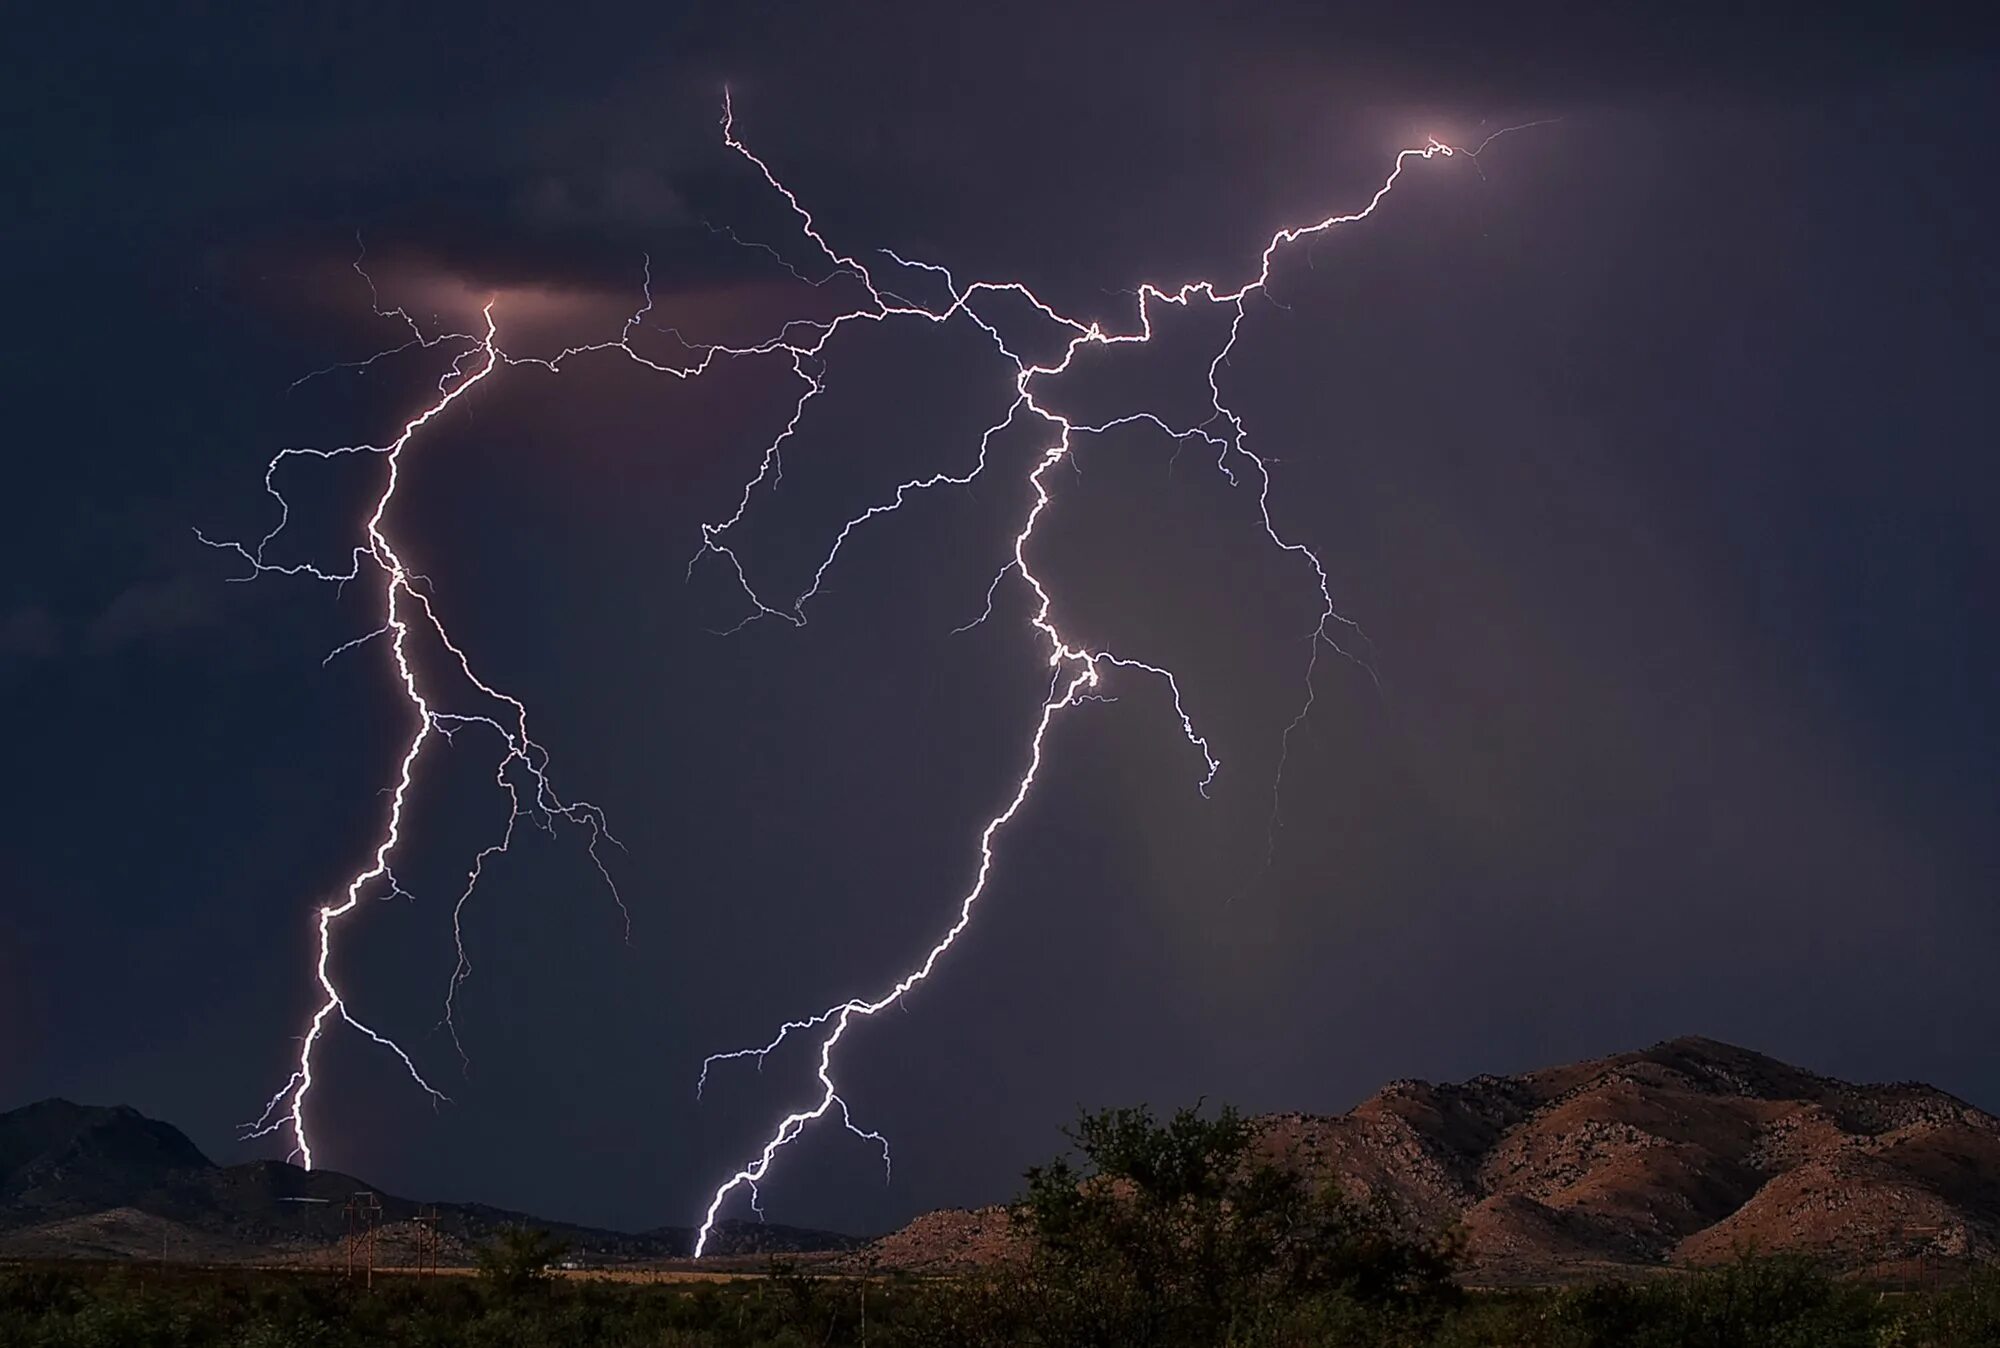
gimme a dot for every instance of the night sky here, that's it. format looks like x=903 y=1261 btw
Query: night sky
x=1657 y=463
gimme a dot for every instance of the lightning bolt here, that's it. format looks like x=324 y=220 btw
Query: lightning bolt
x=521 y=770
x=1076 y=670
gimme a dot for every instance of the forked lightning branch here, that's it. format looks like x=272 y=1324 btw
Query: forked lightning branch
x=415 y=635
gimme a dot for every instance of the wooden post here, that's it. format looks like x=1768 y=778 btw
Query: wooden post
x=363 y=1210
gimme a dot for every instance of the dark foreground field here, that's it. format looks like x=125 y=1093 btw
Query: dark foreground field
x=1752 y=1303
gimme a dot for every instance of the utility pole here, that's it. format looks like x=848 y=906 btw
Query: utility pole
x=363 y=1210
x=429 y=1241
x=1928 y=1235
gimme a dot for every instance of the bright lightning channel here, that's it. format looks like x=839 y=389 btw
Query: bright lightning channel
x=1076 y=670
x=405 y=606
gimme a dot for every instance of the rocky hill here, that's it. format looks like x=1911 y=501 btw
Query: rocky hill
x=89 y=1181
x=1682 y=1153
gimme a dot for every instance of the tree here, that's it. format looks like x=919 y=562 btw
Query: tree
x=1177 y=1232
x=519 y=1257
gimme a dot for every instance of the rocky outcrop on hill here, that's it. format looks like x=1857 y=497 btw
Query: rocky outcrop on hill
x=946 y=1241
x=1685 y=1152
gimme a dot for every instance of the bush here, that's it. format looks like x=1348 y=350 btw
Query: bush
x=519 y=1257
x=1963 y=1315
x=1784 y=1302
x=1176 y=1233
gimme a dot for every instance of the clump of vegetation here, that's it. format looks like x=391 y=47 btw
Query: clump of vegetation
x=1178 y=1233
x=519 y=1258
x=1781 y=1302
x=1967 y=1314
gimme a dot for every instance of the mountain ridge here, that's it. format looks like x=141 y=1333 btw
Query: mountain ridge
x=1678 y=1154
x=108 y=1182
x=1682 y=1153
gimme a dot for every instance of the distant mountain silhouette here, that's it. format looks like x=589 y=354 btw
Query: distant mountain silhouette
x=56 y=1157
x=108 y=1182
x=1684 y=1152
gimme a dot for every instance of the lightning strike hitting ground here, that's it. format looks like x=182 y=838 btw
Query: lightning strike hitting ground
x=404 y=605
x=1076 y=671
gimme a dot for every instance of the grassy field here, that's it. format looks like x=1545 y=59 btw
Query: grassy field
x=1755 y=1304
x=643 y=1275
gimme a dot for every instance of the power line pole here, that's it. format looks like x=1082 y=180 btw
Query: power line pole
x=363 y=1210
x=429 y=1241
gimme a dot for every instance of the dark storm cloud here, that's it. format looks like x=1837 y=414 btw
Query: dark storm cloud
x=153 y=610
x=1653 y=463
x=29 y=633
x=635 y=197
x=560 y=148
x=542 y=157
x=1555 y=54
x=144 y=613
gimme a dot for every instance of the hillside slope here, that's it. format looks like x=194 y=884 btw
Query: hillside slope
x=1685 y=1152
x=108 y=1182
